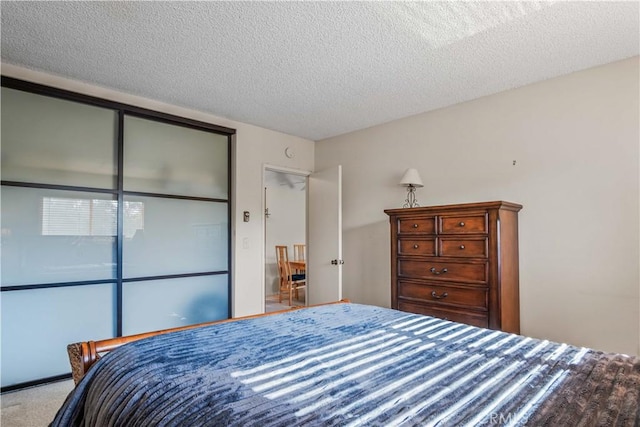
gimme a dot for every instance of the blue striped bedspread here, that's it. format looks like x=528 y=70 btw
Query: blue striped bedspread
x=353 y=365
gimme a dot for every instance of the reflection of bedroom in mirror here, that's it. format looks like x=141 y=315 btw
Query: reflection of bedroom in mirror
x=285 y=226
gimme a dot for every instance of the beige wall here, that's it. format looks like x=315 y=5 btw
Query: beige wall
x=252 y=148
x=575 y=142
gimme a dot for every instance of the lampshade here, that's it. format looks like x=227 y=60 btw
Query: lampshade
x=411 y=177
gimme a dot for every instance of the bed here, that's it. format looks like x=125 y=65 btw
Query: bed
x=350 y=365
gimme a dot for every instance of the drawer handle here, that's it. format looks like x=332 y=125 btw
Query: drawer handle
x=461 y=246
x=437 y=273
x=416 y=246
x=461 y=224
x=415 y=225
x=436 y=296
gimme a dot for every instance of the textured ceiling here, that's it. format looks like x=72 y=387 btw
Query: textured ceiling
x=316 y=69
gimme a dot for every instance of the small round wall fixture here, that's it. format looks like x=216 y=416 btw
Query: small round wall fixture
x=289 y=152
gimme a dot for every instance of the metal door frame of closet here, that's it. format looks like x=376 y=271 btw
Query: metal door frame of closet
x=118 y=193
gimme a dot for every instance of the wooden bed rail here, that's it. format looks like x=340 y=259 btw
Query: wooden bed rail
x=82 y=355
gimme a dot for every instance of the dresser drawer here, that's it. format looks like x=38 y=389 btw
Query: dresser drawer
x=422 y=225
x=448 y=271
x=463 y=247
x=413 y=246
x=467 y=296
x=470 y=318
x=463 y=224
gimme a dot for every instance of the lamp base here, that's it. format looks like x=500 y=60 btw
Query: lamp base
x=411 y=201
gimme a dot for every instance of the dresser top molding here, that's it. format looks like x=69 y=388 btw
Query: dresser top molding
x=500 y=204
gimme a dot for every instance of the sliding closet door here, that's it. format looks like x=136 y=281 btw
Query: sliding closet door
x=59 y=213
x=176 y=247
x=115 y=221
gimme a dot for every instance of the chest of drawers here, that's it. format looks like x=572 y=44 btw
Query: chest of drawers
x=457 y=262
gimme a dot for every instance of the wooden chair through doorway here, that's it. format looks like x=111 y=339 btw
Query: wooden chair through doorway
x=299 y=255
x=289 y=282
x=298 y=252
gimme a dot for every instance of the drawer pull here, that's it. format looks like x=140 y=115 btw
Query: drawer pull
x=461 y=224
x=436 y=296
x=437 y=273
x=461 y=246
x=416 y=246
x=415 y=225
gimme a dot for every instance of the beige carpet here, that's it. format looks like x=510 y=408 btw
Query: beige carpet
x=35 y=406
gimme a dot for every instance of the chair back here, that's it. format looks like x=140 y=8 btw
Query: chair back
x=299 y=252
x=282 y=253
x=289 y=282
x=282 y=257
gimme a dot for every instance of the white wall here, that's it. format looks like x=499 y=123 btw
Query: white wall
x=286 y=224
x=575 y=142
x=253 y=146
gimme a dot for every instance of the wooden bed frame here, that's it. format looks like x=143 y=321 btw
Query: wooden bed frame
x=82 y=355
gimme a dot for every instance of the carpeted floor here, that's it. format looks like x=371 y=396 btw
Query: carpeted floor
x=35 y=406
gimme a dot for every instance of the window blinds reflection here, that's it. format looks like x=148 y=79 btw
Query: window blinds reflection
x=89 y=217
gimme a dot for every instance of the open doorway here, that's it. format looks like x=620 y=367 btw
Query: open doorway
x=285 y=196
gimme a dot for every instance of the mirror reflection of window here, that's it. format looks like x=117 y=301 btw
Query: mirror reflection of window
x=88 y=217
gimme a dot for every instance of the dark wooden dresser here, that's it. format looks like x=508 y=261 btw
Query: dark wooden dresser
x=457 y=262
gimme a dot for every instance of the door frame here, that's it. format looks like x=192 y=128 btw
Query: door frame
x=273 y=168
